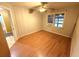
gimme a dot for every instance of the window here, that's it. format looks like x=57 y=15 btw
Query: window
x=58 y=21
x=50 y=18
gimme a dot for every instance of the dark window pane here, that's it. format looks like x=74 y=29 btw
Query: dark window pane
x=50 y=18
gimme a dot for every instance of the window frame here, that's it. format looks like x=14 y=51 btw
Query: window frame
x=51 y=18
x=54 y=22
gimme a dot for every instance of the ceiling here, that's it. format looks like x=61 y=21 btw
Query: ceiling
x=55 y=5
x=58 y=5
x=25 y=4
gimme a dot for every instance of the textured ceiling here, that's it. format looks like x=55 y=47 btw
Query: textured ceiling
x=55 y=5
x=25 y=4
x=58 y=5
x=50 y=4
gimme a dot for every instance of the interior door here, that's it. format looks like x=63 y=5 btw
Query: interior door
x=4 y=49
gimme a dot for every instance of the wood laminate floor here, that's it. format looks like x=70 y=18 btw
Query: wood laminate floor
x=41 y=44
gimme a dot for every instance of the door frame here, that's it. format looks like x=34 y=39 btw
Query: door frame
x=11 y=20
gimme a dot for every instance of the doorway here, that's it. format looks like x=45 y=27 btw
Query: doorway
x=7 y=27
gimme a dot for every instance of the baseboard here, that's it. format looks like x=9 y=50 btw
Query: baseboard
x=57 y=33
x=28 y=34
x=39 y=30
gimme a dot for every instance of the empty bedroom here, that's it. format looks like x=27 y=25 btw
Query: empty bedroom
x=39 y=29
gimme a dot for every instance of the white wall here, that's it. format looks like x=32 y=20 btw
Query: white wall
x=68 y=26
x=25 y=22
x=75 y=41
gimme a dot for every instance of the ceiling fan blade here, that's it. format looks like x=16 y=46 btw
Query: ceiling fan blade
x=44 y=3
x=31 y=10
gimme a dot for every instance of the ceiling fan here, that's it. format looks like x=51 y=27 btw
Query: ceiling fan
x=42 y=8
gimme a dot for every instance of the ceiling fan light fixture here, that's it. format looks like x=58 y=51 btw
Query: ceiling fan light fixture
x=42 y=9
